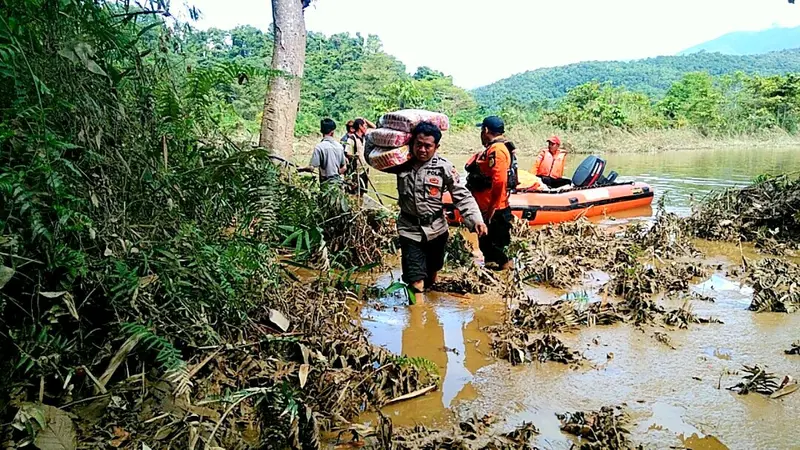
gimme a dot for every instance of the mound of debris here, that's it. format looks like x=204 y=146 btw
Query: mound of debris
x=564 y=315
x=560 y=255
x=765 y=212
x=471 y=279
x=776 y=285
x=519 y=346
x=667 y=238
x=684 y=316
x=795 y=350
x=472 y=434
x=604 y=429
x=756 y=379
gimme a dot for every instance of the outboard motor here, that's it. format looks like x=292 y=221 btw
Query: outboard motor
x=589 y=172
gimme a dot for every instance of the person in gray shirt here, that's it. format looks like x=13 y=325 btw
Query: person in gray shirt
x=328 y=156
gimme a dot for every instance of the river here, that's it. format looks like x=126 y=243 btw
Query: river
x=676 y=398
x=680 y=175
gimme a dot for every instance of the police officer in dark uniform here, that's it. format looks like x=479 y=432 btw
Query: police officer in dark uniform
x=422 y=225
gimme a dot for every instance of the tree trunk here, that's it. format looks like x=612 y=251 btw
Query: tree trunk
x=283 y=96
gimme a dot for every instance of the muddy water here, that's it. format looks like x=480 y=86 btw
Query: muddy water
x=676 y=398
x=681 y=175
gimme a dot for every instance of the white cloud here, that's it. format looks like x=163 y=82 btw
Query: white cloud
x=481 y=41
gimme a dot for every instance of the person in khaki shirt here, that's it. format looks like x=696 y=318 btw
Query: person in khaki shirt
x=422 y=225
x=354 y=150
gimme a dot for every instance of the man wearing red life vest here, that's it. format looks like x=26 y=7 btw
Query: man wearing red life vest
x=549 y=165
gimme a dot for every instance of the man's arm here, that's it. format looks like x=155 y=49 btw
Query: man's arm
x=342 y=164
x=316 y=161
x=463 y=200
x=499 y=175
x=368 y=123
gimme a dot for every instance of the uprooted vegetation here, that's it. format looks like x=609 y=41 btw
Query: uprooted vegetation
x=471 y=434
x=604 y=429
x=561 y=256
x=143 y=254
x=756 y=379
x=776 y=285
x=765 y=213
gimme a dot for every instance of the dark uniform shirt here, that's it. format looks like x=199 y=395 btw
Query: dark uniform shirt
x=420 y=197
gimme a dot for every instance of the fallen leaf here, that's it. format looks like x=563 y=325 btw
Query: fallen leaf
x=108 y=252
x=52 y=294
x=305 y=352
x=6 y=273
x=279 y=320
x=786 y=390
x=303 y=373
x=58 y=432
x=70 y=302
x=121 y=437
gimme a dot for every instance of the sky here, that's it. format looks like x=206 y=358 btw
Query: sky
x=481 y=41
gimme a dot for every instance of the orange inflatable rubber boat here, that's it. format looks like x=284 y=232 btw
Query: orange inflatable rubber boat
x=542 y=208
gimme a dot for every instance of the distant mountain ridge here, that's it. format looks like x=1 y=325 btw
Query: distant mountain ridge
x=652 y=76
x=750 y=42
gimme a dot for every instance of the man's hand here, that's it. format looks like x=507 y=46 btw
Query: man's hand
x=481 y=229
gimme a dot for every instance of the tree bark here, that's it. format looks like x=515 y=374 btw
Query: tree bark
x=283 y=96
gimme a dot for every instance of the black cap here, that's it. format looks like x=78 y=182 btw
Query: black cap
x=494 y=124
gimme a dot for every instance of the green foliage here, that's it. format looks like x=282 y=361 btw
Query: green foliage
x=694 y=100
x=598 y=106
x=424 y=365
x=167 y=355
x=651 y=76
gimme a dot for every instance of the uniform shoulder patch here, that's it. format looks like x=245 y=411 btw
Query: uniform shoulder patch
x=454 y=174
x=492 y=158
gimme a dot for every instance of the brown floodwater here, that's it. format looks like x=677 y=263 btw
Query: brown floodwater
x=675 y=398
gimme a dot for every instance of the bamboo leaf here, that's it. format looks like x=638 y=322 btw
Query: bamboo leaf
x=6 y=273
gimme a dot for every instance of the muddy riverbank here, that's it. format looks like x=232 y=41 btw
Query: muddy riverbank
x=676 y=396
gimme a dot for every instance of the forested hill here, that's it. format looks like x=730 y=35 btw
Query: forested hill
x=750 y=42
x=652 y=76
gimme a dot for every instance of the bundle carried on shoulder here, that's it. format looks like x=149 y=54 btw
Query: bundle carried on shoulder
x=406 y=119
x=387 y=146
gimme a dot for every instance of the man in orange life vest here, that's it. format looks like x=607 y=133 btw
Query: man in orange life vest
x=549 y=165
x=488 y=178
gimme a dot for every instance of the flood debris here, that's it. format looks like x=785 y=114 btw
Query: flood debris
x=664 y=339
x=794 y=350
x=776 y=285
x=472 y=434
x=765 y=212
x=603 y=429
x=667 y=238
x=470 y=279
x=564 y=315
x=519 y=346
x=683 y=316
x=756 y=379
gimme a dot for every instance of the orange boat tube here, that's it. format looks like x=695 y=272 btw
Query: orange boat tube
x=542 y=208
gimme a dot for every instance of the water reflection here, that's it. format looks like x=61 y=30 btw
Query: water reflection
x=443 y=330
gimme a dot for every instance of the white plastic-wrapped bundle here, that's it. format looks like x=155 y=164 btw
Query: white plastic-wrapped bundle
x=406 y=119
x=388 y=138
x=388 y=159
